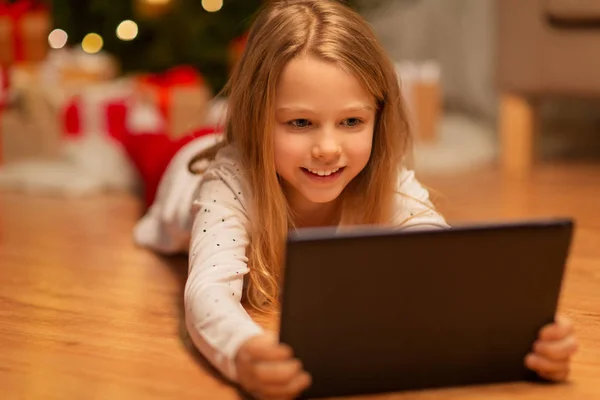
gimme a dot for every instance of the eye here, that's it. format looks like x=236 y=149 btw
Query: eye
x=352 y=122
x=299 y=123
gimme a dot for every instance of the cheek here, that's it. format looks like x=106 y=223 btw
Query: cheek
x=360 y=148
x=286 y=151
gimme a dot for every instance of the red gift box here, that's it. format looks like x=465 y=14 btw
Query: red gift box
x=180 y=94
x=24 y=29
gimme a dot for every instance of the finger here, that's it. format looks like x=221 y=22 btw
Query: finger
x=277 y=372
x=555 y=376
x=264 y=348
x=544 y=365
x=290 y=390
x=562 y=328
x=560 y=350
x=564 y=320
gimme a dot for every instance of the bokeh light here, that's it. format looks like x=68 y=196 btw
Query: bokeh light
x=127 y=30
x=57 y=39
x=92 y=43
x=212 y=5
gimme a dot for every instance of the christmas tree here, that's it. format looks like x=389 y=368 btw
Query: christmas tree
x=170 y=32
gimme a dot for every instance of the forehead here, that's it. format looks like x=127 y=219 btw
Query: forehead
x=319 y=83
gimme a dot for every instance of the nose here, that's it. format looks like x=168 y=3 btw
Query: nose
x=327 y=146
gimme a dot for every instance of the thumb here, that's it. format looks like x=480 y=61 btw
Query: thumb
x=266 y=347
x=264 y=340
x=271 y=337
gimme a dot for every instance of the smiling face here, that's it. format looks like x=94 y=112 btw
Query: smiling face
x=323 y=135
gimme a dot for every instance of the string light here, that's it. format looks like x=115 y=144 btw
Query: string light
x=212 y=5
x=92 y=43
x=127 y=30
x=57 y=39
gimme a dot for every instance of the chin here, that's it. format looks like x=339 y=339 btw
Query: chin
x=322 y=198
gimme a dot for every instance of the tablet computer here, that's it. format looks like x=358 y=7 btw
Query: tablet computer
x=380 y=310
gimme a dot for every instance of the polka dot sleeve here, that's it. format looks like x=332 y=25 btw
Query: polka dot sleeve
x=216 y=321
x=414 y=209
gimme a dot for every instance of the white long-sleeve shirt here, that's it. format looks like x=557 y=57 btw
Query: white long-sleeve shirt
x=216 y=321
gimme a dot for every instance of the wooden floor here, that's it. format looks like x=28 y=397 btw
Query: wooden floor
x=84 y=314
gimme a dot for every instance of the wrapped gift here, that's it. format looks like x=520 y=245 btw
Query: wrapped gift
x=74 y=67
x=99 y=110
x=46 y=115
x=180 y=95
x=35 y=124
x=64 y=72
x=24 y=29
x=73 y=147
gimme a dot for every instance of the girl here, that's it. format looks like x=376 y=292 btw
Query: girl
x=315 y=136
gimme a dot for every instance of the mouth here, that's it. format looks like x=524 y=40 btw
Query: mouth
x=323 y=174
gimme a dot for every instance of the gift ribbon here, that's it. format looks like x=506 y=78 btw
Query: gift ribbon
x=16 y=12
x=113 y=111
x=165 y=83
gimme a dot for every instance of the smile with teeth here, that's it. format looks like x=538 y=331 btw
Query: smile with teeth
x=323 y=172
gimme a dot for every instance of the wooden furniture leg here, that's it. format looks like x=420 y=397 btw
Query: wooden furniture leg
x=518 y=126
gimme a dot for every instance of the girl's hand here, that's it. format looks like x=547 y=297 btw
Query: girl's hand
x=267 y=369
x=553 y=350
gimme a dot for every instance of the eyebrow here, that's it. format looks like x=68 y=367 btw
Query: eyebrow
x=359 y=107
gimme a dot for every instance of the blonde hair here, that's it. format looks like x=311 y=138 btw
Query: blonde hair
x=331 y=31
